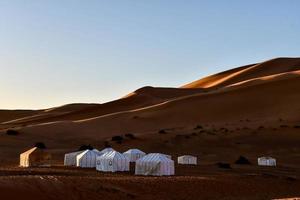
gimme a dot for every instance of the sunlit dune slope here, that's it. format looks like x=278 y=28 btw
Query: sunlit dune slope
x=270 y=67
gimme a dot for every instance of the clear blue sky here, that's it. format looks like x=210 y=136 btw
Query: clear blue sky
x=54 y=52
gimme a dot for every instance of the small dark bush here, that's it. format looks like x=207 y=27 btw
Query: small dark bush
x=12 y=132
x=198 y=127
x=130 y=136
x=261 y=127
x=224 y=165
x=290 y=178
x=296 y=126
x=135 y=117
x=187 y=137
x=85 y=147
x=210 y=133
x=162 y=131
x=40 y=145
x=118 y=138
x=106 y=144
x=284 y=126
x=194 y=134
x=242 y=161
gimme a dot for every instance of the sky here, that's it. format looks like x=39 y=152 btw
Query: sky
x=55 y=52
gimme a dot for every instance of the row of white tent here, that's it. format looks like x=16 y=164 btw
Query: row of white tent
x=110 y=160
x=157 y=164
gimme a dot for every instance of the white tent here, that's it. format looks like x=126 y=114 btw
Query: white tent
x=266 y=161
x=154 y=164
x=112 y=161
x=70 y=158
x=168 y=156
x=134 y=154
x=106 y=150
x=187 y=160
x=87 y=159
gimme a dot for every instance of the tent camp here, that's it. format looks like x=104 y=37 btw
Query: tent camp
x=35 y=157
x=266 y=161
x=70 y=158
x=87 y=159
x=187 y=160
x=134 y=154
x=154 y=164
x=112 y=161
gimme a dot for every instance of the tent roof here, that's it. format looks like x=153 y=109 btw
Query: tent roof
x=88 y=152
x=29 y=151
x=266 y=158
x=106 y=150
x=113 y=154
x=155 y=157
x=187 y=156
x=133 y=151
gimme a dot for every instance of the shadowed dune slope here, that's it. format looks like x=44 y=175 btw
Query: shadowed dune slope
x=7 y=115
x=145 y=96
x=270 y=67
x=265 y=99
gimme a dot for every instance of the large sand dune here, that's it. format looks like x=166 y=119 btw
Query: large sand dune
x=270 y=67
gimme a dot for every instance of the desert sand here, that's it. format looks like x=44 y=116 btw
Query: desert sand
x=251 y=110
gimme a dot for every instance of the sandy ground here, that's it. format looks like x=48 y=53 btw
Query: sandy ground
x=191 y=182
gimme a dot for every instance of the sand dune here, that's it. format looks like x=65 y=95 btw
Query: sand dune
x=142 y=97
x=265 y=99
x=270 y=67
x=7 y=115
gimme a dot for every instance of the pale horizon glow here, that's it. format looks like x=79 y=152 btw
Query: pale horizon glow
x=63 y=51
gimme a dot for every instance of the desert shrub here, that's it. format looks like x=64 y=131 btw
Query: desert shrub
x=118 y=139
x=12 y=132
x=194 y=134
x=242 y=161
x=260 y=127
x=106 y=144
x=284 y=126
x=187 y=137
x=130 y=136
x=40 y=145
x=85 y=147
x=210 y=133
x=198 y=127
x=297 y=126
x=223 y=165
x=162 y=131
x=135 y=117
x=290 y=178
